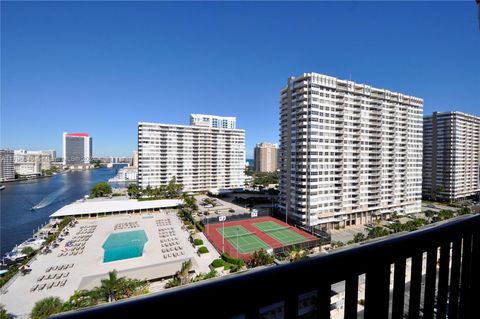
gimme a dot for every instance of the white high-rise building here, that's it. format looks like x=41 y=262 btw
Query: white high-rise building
x=348 y=152
x=213 y=121
x=451 y=156
x=7 y=168
x=200 y=157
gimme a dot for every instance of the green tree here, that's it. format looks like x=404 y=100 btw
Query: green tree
x=359 y=237
x=109 y=287
x=260 y=258
x=29 y=251
x=101 y=189
x=81 y=299
x=174 y=282
x=133 y=191
x=265 y=178
x=377 y=232
x=190 y=203
x=296 y=253
x=182 y=277
x=430 y=214
x=463 y=211
x=46 y=307
x=148 y=191
x=184 y=273
x=3 y=312
x=173 y=189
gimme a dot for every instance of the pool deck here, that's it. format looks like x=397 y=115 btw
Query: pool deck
x=88 y=268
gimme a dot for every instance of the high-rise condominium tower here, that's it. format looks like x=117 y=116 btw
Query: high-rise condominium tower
x=213 y=121
x=348 y=152
x=265 y=157
x=199 y=157
x=451 y=156
x=77 y=148
x=7 y=168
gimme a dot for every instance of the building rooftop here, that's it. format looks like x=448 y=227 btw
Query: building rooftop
x=112 y=206
x=77 y=134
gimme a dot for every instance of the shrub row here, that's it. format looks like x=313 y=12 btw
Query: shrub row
x=218 y=263
x=229 y=259
x=203 y=250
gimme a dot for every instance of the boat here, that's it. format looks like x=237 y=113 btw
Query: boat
x=14 y=256
x=35 y=243
x=2 y=187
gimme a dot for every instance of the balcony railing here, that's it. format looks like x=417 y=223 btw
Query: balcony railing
x=447 y=287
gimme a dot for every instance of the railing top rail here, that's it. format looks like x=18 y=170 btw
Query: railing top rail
x=237 y=293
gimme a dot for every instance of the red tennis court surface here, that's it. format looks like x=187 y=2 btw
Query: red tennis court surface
x=252 y=234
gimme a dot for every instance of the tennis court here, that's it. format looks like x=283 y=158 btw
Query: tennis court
x=279 y=233
x=243 y=240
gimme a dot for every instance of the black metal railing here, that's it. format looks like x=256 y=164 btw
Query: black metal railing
x=446 y=286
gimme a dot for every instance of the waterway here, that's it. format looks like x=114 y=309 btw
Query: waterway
x=17 y=221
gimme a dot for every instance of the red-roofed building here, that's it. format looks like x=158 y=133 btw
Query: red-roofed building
x=77 y=149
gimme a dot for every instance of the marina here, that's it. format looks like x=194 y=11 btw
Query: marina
x=18 y=222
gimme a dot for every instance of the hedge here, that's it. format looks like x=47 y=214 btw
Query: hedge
x=203 y=250
x=218 y=263
x=198 y=242
x=229 y=259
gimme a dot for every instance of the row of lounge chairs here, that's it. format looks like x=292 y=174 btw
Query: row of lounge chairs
x=53 y=284
x=127 y=225
x=73 y=252
x=86 y=230
x=174 y=248
x=53 y=276
x=164 y=222
x=174 y=254
x=59 y=267
x=170 y=244
x=166 y=235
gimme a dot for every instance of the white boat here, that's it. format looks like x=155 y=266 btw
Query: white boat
x=14 y=256
x=2 y=187
x=35 y=243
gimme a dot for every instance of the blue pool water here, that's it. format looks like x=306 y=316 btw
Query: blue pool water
x=124 y=245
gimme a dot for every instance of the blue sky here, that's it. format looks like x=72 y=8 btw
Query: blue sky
x=102 y=67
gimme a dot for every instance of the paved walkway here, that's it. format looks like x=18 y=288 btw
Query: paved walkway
x=347 y=234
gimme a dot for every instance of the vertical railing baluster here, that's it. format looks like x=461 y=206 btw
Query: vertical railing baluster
x=377 y=291
x=323 y=301
x=443 y=280
x=475 y=282
x=455 y=278
x=398 y=289
x=415 y=286
x=351 y=297
x=291 y=306
x=430 y=283
x=464 y=305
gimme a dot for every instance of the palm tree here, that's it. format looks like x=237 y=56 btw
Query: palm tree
x=184 y=272
x=110 y=287
x=81 y=299
x=46 y=307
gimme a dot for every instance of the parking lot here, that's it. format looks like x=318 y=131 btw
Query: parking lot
x=347 y=234
x=220 y=208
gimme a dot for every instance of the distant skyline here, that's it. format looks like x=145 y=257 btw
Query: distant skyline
x=102 y=67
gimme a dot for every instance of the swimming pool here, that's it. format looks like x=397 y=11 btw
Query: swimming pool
x=124 y=245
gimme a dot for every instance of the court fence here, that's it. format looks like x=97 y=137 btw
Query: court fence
x=230 y=218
